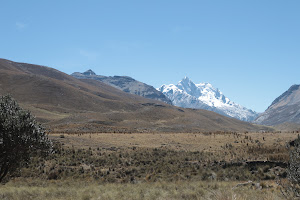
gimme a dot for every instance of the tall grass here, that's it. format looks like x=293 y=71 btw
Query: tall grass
x=68 y=189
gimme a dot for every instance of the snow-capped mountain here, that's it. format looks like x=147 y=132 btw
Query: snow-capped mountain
x=187 y=94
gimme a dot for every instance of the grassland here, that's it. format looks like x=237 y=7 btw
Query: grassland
x=85 y=190
x=221 y=165
x=211 y=142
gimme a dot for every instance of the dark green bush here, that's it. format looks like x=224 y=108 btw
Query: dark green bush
x=20 y=137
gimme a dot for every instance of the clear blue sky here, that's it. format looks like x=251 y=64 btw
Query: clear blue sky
x=248 y=49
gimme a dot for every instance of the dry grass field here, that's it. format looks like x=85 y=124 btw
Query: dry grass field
x=221 y=165
x=212 y=142
x=84 y=190
x=228 y=145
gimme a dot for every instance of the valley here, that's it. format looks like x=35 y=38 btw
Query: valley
x=149 y=100
x=107 y=136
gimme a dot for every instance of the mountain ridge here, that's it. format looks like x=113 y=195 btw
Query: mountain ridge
x=187 y=94
x=284 y=109
x=66 y=104
x=126 y=84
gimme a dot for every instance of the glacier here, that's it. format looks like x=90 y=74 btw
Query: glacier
x=187 y=94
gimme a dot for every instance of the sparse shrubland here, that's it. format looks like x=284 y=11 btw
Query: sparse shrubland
x=132 y=165
x=245 y=166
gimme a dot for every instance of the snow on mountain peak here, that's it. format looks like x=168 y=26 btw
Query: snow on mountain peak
x=187 y=94
x=185 y=79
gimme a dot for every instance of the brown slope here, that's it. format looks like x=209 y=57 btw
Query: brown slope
x=284 y=109
x=127 y=84
x=33 y=84
x=66 y=103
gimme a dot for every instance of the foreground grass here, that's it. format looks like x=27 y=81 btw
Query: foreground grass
x=84 y=190
x=86 y=168
x=135 y=165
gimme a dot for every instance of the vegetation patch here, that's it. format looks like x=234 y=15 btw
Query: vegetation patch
x=134 y=165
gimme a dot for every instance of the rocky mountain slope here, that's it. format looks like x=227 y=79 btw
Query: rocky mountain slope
x=284 y=109
x=66 y=104
x=187 y=94
x=125 y=83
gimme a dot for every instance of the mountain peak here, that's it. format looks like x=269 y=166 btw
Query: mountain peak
x=186 y=79
x=285 y=94
x=186 y=82
x=187 y=85
x=187 y=94
x=89 y=72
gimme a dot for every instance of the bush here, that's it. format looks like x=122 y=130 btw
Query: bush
x=20 y=136
x=293 y=171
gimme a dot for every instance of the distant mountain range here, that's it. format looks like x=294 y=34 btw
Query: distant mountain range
x=187 y=94
x=284 y=109
x=66 y=104
x=125 y=83
x=90 y=103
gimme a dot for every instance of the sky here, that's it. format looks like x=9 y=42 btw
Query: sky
x=248 y=49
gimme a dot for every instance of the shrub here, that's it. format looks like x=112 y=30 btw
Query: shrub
x=293 y=171
x=20 y=136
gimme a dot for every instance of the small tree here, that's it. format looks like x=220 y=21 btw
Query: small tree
x=20 y=136
x=293 y=171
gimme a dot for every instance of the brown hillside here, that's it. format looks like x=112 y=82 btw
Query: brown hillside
x=284 y=110
x=67 y=104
